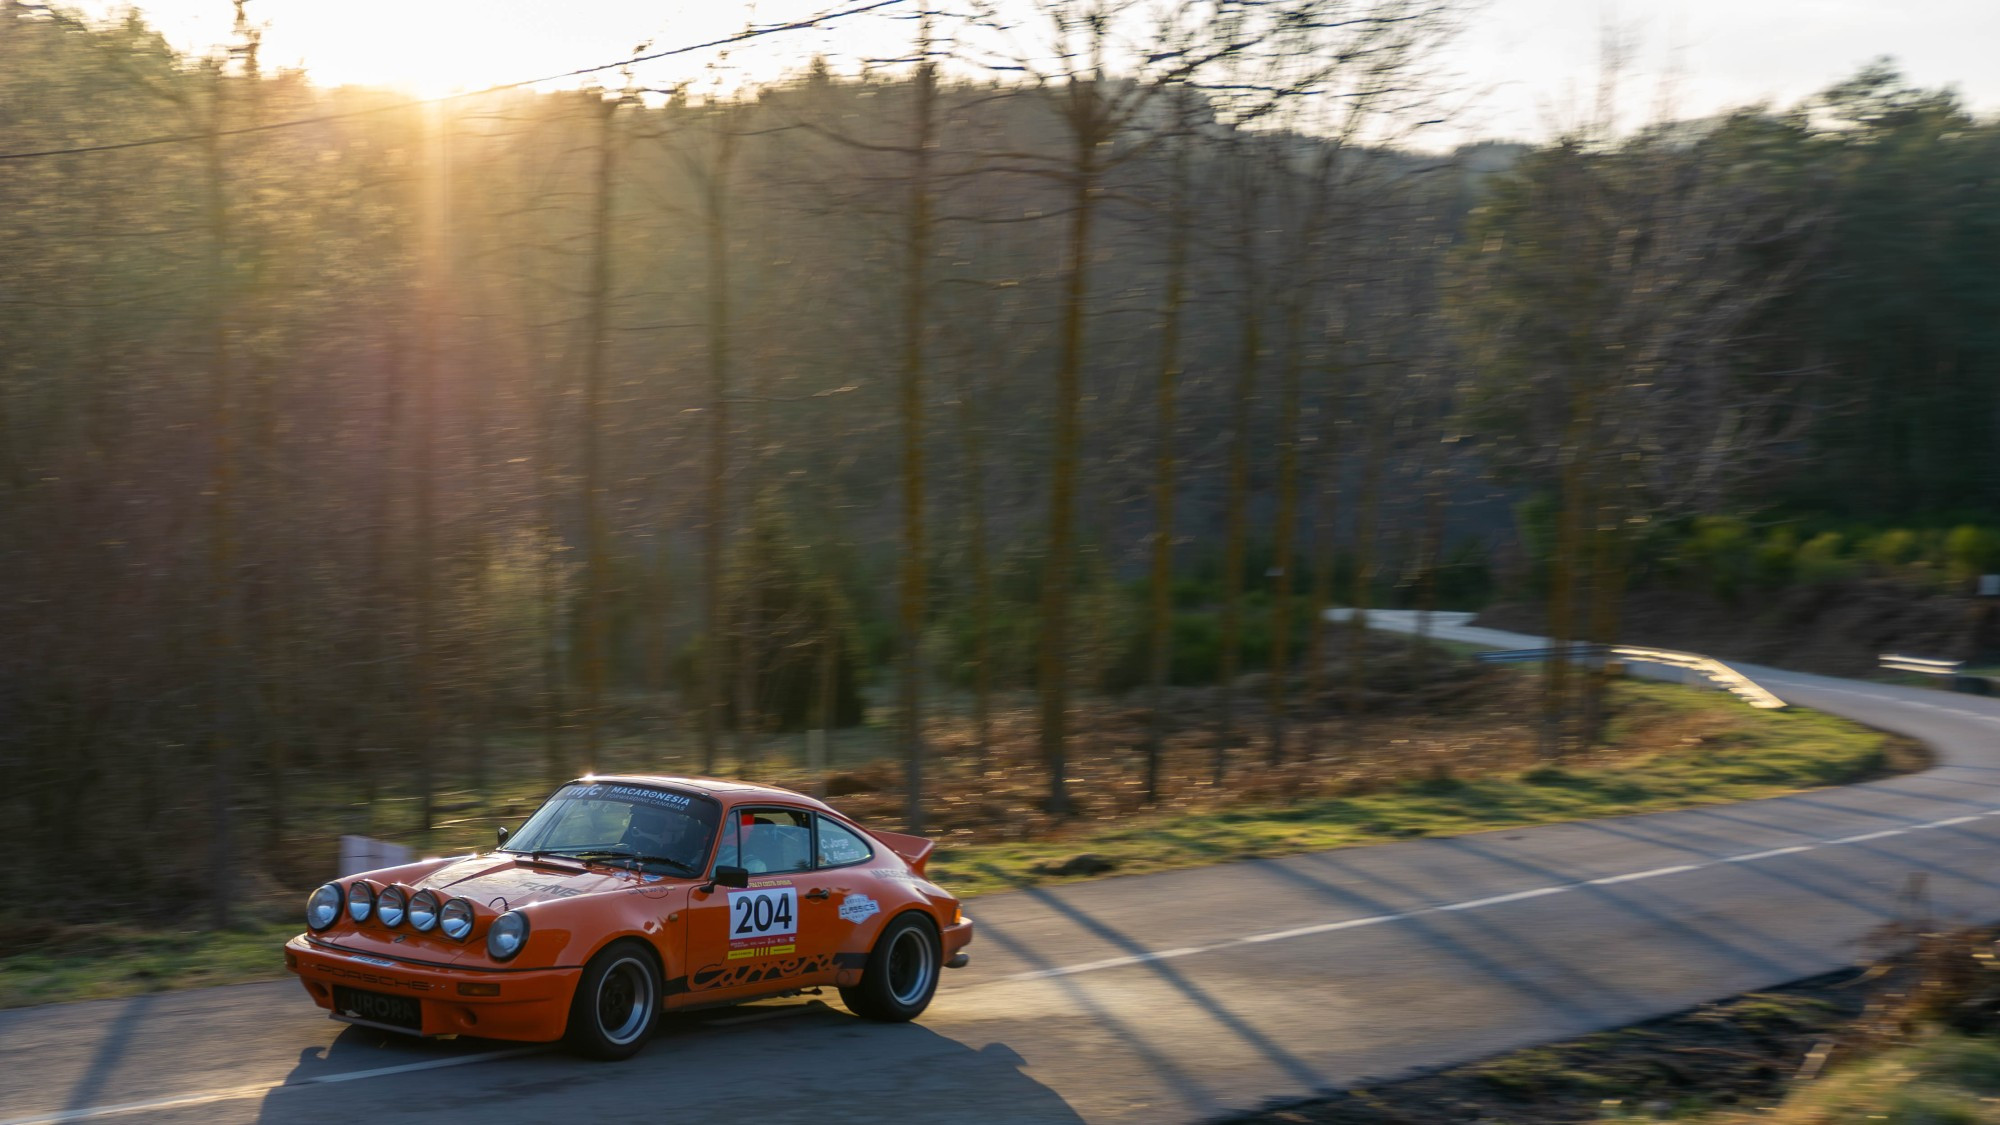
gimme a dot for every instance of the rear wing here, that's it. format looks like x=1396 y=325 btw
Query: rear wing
x=915 y=850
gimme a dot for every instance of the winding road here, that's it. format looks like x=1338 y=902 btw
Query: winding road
x=1182 y=996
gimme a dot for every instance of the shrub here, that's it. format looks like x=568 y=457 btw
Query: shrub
x=1892 y=548
x=1821 y=560
x=1970 y=552
x=1776 y=558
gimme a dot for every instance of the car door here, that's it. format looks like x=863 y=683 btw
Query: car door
x=776 y=934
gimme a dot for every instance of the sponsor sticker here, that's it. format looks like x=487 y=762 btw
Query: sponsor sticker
x=859 y=908
x=632 y=793
x=367 y=960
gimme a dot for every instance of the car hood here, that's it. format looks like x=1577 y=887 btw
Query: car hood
x=505 y=882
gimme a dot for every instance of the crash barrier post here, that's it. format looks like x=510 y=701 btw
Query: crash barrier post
x=1703 y=668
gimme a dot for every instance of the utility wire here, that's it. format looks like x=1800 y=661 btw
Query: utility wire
x=726 y=41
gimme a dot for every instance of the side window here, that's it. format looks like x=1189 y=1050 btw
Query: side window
x=767 y=841
x=839 y=846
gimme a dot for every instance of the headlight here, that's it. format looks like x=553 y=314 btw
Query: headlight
x=323 y=908
x=456 y=919
x=391 y=905
x=424 y=911
x=360 y=901
x=507 y=935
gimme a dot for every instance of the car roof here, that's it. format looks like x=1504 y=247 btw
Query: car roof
x=724 y=790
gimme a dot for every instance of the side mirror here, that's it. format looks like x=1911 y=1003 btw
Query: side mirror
x=727 y=876
x=501 y=833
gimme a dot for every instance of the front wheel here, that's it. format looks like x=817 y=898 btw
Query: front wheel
x=902 y=972
x=615 y=1003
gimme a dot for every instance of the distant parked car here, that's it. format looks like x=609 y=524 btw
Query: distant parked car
x=623 y=897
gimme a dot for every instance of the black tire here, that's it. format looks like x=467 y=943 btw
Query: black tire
x=617 y=1003
x=902 y=972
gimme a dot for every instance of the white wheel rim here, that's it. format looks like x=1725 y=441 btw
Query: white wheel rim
x=624 y=1000
x=910 y=965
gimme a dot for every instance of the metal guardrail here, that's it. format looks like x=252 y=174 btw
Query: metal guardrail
x=1920 y=664
x=1925 y=666
x=1708 y=668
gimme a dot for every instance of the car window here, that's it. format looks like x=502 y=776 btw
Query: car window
x=839 y=845
x=639 y=820
x=767 y=841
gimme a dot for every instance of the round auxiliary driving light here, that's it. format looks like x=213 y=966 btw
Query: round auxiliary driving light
x=424 y=911
x=456 y=919
x=391 y=905
x=323 y=908
x=507 y=935
x=360 y=901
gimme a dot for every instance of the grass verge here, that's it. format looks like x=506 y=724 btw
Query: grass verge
x=1740 y=754
x=1668 y=747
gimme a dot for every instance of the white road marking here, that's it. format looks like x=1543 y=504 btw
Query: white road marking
x=1498 y=899
x=1753 y=856
x=1654 y=873
x=1451 y=907
x=1869 y=836
x=235 y=1093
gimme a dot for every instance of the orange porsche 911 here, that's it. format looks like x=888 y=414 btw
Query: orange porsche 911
x=623 y=897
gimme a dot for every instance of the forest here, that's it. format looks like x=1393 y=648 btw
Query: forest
x=346 y=438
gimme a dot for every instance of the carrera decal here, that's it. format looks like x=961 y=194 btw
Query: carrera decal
x=756 y=971
x=763 y=921
x=859 y=908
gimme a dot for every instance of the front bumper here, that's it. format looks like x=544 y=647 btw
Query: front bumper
x=530 y=1005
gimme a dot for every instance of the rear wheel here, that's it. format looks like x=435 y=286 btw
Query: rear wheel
x=902 y=972
x=616 y=1002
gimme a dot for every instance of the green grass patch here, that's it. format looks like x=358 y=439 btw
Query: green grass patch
x=1946 y=1079
x=99 y=962
x=1757 y=754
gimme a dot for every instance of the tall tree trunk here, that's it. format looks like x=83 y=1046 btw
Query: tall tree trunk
x=910 y=619
x=597 y=561
x=1366 y=546
x=1159 y=628
x=424 y=671
x=1327 y=454
x=1285 y=527
x=1057 y=568
x=225 y=601
x=715 y=195
x=972 y=440
x=1236 y=518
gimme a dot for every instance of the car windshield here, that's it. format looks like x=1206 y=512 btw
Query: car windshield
x=607 y=820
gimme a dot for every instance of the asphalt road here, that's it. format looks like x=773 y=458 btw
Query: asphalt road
x=1175 y=997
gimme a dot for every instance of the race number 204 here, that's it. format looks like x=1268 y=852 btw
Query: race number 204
x=763 y=921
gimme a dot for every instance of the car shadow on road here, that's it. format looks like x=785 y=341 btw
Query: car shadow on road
x=774 y=1063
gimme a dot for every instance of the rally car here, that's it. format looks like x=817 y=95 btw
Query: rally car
x=626 y=896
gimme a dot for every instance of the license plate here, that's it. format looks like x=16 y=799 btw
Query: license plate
x=377 y=1007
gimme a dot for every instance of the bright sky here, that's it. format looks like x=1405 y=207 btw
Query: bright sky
x=1527 y=65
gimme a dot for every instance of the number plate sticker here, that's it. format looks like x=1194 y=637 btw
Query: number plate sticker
x=763 y=922
x=397 y=1011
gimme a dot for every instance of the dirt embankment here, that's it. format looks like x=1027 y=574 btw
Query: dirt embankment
x=1838 y=629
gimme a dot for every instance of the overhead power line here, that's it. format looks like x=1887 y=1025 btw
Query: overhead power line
x=321 y=119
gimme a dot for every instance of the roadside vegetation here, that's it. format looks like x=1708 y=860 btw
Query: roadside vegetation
x=1910 y=1038
x=1439 y=750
